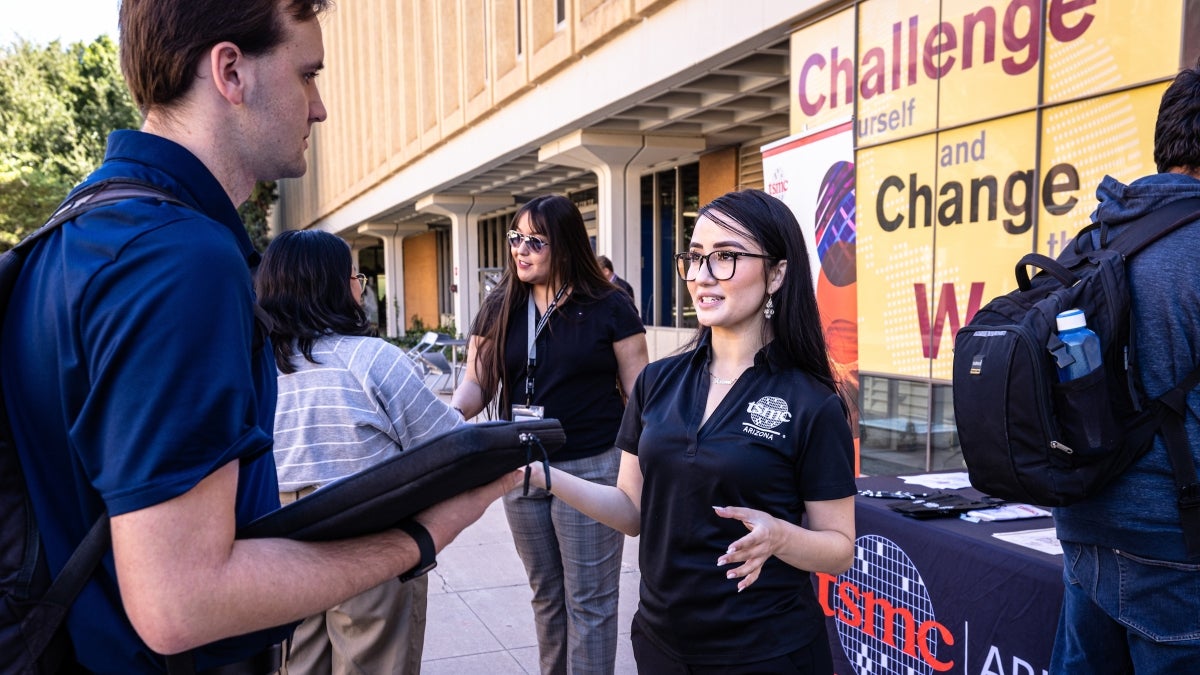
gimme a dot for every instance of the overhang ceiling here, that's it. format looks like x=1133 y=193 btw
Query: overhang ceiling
x=740 y=101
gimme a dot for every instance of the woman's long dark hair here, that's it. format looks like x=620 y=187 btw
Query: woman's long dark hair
x=796 y=326
x=303 y=284
x=572 y=262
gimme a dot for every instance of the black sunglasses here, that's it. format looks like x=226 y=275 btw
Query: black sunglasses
x=515 y=239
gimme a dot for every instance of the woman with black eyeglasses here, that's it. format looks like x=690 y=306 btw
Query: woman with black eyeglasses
x=554 y=339
x=727 y=447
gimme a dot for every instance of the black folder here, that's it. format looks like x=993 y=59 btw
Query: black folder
x=377 y=498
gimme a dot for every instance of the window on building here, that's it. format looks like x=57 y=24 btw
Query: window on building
x=670 y=200
x=560 y=13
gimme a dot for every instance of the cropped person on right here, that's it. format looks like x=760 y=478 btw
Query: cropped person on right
x=745 y=432
x=1132 y=598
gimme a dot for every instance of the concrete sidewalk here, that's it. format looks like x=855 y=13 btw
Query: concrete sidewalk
x=480 y=621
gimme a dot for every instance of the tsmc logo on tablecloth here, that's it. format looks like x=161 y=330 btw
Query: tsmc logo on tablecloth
x=885 y=619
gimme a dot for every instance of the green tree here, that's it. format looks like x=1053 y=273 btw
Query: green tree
x=254 y=213
x=57 y=107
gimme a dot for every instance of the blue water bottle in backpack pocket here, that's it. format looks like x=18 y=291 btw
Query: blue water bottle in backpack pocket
x=1082 y=345
x=1081 y=397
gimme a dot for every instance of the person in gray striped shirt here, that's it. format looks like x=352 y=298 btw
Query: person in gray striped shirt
x=347 y=400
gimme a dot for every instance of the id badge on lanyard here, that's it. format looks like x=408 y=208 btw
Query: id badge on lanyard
x=521 y=413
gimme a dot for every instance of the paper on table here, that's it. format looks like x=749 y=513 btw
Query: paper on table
x=940 y=481
x=1043 y=540
x=1005 y=512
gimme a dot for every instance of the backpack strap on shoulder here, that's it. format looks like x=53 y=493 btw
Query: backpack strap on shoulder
x=47 y=615
x=1151 y=227
x=1171 y=411
x=93 y=195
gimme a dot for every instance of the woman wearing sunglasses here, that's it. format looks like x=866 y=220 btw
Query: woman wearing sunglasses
x=726 y=447
x=347 y=400
x=553 y=340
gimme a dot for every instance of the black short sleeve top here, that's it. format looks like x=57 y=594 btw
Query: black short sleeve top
x=779 y=438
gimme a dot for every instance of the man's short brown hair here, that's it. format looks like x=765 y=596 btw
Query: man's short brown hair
x=162 y=41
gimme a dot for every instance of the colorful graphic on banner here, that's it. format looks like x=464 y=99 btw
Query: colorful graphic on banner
x=1109 y=135
x=814 y=175
x=895 y=251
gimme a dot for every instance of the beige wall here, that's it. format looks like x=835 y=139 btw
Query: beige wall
x=718 y=173
x=420 y=280
x=404 y=76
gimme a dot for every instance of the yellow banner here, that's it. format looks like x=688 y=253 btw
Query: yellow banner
x=988 y=60
x=896 y=215
x=823 y=72
x=896 y=95
x=1095 y=46
x=988 y=181
x=943 y=217
x=1109 y=135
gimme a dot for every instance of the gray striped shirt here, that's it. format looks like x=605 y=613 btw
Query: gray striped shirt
x=362 y=402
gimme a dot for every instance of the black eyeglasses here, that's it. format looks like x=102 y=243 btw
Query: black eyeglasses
x=515 y=239
x=362 y=279
x=721 y=264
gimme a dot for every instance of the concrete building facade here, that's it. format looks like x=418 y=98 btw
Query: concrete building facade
x=977 y=129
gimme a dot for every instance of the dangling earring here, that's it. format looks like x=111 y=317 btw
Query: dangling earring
x=769 y=309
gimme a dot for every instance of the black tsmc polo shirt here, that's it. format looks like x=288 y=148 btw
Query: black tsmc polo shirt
x=778 y=439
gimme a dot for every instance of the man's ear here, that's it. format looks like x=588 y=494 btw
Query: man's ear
x=227 y=66
x=777 y=275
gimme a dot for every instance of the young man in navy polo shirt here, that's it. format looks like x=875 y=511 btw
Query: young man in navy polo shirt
x=130 y=367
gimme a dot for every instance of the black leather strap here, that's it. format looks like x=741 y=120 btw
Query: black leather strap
x=265 y=662
x=425 y=543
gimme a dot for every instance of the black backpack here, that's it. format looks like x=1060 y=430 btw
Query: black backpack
x=32 y=608
x=1027 y=437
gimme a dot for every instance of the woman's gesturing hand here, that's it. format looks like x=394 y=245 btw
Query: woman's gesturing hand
x=753 y=549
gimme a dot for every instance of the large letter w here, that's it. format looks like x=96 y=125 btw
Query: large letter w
x=947 y=306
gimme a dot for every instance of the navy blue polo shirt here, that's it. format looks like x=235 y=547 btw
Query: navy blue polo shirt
x=779 y=438
x=130 y=374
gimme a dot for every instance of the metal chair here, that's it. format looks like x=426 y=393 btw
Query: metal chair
x=435 y=364
x=427 y=342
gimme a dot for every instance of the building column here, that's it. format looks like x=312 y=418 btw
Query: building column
x=618 y=160
x=392 y=235
x=463 y=212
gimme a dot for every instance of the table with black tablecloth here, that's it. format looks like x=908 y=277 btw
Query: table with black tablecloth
x=940 y=595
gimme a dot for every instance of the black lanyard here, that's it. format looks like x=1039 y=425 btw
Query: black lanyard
x=531 y=339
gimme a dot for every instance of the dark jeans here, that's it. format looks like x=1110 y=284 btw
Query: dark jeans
x=811 y=659
x=1123 y=613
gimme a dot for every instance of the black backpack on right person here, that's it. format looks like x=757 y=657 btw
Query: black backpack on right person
x=1027 y=437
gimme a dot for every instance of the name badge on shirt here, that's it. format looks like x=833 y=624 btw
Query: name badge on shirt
x=525 y=413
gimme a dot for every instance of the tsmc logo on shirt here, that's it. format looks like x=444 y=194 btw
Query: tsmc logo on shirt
x=766 y=413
